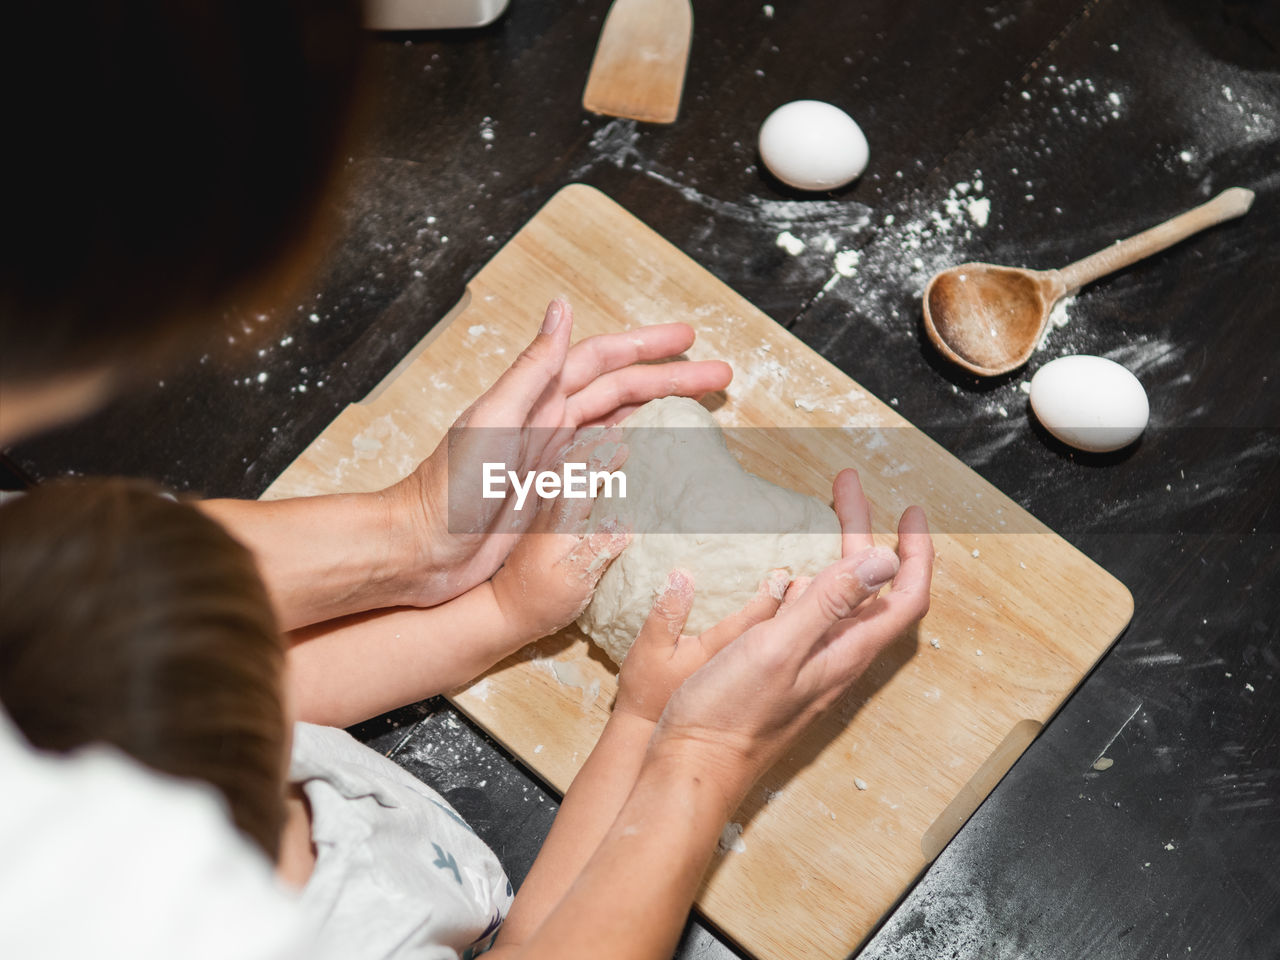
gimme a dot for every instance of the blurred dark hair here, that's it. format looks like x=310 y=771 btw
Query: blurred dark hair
x=131 y=619
x=163 y=159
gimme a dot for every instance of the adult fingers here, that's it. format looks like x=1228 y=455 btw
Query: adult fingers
x=857 y=642
x=640 y=384
x=909 y=596
x=508 y=402
x=665 y=623
x=759 y=608
x=595 y=356
x=614 y=417
x=854 y=513
x=836 y=592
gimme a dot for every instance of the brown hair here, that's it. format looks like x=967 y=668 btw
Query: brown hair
x=166 y=158
x=135 y=620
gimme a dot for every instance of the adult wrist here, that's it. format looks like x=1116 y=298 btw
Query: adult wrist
x=392 y=564
x=725 y=775
x=407 y=564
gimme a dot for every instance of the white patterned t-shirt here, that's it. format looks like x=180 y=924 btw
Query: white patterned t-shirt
x=398 y=873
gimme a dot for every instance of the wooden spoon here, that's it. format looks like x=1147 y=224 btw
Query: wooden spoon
x=640 y=61
x=988 y=318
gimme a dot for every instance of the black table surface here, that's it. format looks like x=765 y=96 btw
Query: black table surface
x=1070 y=124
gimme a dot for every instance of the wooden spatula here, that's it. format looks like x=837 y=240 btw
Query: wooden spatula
x=638 y=71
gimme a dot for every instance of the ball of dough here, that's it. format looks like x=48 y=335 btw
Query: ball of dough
x=813 y=145
x=688 y=504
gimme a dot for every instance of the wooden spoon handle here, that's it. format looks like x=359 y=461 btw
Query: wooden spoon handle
x=1225 y=206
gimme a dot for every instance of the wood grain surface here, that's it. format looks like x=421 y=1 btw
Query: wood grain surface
x=1018 y=618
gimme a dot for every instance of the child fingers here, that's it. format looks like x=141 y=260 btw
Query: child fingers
x=582 y=464
x=794 y=590
x=553 y=447
x=609 y=452
x=591 y=555
x=546 y=445
x=605 y=459
x=759 y=608
x=665 y=623
x=568 y=514
x=854 y=513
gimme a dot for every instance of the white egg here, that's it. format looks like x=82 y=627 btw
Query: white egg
x=1091 y=403
x=813 y=145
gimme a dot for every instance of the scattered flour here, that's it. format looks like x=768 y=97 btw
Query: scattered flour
x=570 y=673
x=979 y=210
x=731 y=839
x=889 y=274
x=846 y=262
x=790 y=243
x=382 y=440
x=1059 y=317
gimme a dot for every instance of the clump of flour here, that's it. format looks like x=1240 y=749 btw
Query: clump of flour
x=1059 y=317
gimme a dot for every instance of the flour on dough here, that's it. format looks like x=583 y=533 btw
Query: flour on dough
x=686 y=505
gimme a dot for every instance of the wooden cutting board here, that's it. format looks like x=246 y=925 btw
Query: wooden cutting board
x=840 y=829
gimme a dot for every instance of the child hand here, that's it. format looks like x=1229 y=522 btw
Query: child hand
x=663 y=657
x=554 y=567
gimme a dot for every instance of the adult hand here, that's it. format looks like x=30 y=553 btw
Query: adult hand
x=524 y=421
x=735 y=716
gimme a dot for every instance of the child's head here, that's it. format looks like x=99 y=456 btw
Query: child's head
x=132 y=619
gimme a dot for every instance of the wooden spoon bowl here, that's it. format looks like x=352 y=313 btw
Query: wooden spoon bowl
x=988 y=318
